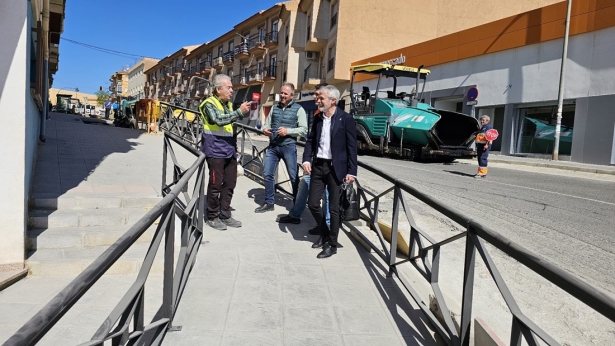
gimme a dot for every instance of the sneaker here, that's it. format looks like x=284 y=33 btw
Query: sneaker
x=478 y=176
x=263 y=208
x=231 y=222
x=216 y=224
x=288 y=219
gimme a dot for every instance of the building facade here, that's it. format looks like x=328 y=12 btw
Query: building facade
x=164 y=80
x=137 y=77
x=515 y=65
x=28 y=59
x=119 y=85
x=326 y=36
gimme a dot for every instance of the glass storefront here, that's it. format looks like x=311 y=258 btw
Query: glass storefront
x=537 y=129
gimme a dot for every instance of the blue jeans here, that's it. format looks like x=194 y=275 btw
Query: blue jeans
x=301 y=200
x=288 y=153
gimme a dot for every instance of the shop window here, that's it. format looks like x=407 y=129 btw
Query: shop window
x=538 y=129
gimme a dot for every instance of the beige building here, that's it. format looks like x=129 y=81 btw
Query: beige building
x=89 y=99
x=119 y=85
x=326 y=36
x=136 y=77
x=164 y=80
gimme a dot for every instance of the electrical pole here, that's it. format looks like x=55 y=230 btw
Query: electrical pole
x=560 y=97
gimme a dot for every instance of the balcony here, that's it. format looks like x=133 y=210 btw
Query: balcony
x=269 y=73
x=271 y=39
x=239 y=81
x=311 y=77
x=204 y=67
x=228 y=58
x=256 y=44
x=199 y=92
x=218 y=63
x=255 y=76
x=241 y=51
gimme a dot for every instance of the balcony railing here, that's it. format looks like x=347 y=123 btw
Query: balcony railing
x=269 y=73
x=255 y=75
x=271 y=39
x=311 y=72
x=218 y=62
x=204 y=65
x=228 y=58
x=239 y=81
x=256 y=43
x=241 y=51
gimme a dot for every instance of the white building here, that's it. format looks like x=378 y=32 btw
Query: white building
x=515 y=65
x=23 y=92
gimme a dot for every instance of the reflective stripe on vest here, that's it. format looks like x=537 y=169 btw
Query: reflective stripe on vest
x=213 y=129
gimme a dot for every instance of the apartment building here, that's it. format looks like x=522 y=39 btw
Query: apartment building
x=326 y=36
x=136 y=77
x=164 y=80
x=119 y=85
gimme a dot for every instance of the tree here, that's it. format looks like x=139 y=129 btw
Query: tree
x=101 y=97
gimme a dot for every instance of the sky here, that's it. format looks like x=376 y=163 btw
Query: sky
x=151 y=28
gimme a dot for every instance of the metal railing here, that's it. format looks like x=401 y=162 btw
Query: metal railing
x=125 y=325
x=423 y=248
x=182 y=122
x=271 y=38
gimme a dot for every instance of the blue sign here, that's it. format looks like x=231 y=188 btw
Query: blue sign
x=472 y=94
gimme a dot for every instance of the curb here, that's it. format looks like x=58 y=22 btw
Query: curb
x=556 y=166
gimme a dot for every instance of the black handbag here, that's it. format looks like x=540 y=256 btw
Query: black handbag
x=349 y=203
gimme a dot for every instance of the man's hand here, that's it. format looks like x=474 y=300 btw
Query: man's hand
x=282 y=131
x=349 y=179
x=307 y=168
x=245 y=107
x=486 y=146
x=267 y=132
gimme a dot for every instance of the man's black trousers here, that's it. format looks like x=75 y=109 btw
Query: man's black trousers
x=222 y=182
x=324 y=175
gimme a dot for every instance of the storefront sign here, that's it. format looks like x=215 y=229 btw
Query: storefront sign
x=400 y=60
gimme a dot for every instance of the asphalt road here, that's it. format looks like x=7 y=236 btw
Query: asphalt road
x=563 y=216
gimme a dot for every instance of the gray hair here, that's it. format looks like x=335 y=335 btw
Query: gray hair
x=331 y=91
x=218 y=80
x=485 y=117
x=290 y=85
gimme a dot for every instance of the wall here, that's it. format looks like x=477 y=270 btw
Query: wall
x=593 y=136
x=13 y=92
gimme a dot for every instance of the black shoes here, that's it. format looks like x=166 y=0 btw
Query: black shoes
x=230 y=222
x=327 y=251
x=264 y=208
x=319 y=243
x=289 y=219
x=314 y=230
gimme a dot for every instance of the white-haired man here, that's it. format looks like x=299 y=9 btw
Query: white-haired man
x=220 y=145
x=330 y=157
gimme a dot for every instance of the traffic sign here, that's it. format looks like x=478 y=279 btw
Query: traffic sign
x=491 y=134
x=472 y=94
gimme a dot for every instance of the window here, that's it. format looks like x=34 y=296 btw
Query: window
x=274 y=26
x=286 y=33
x=220 y=51
x=333 y=18
x=309 y=28
x=331 y=63
x=231 y=46
x=261 y=34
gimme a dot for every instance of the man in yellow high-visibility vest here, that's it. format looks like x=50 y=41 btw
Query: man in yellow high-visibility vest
x=220 y=145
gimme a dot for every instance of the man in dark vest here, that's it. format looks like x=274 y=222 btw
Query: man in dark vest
x=285 y=123
x=220 y=145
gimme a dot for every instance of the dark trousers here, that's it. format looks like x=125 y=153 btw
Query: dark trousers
x=322 y=177
x=107 y=111
x=482 y=155
x=222 y=182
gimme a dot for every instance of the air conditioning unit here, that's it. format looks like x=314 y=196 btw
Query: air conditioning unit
x=311 y=55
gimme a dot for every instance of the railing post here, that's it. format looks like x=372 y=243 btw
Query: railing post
x=243 y=142
x=468 y=288
x=164 y=165
x=394 y=230
x=168 y=296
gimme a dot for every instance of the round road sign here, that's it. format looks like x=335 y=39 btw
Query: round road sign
x=472 y=94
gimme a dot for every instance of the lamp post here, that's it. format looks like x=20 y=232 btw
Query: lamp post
x=560 y=96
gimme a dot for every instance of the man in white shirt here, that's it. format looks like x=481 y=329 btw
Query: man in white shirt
x=330 y=157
